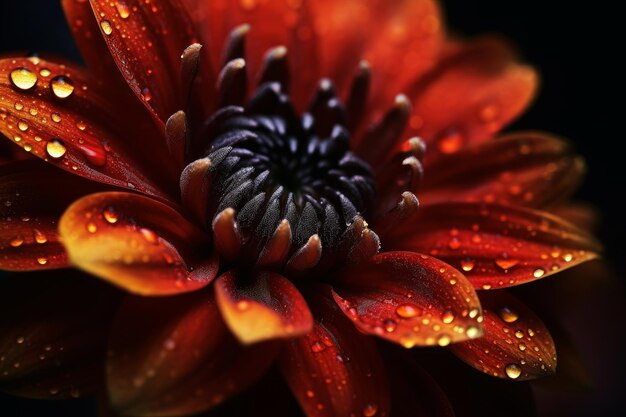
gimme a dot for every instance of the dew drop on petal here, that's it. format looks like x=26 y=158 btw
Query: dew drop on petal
x=20 y=340
x=39 y=237
x=91 y=227
x=44 y=72
x=42 y=260
x=62 y=87
x=146 y=94
x=538 y=273
x=472 y=332
x=370 y=410
x=53 y=391
x=55 y=148
x=389 y=325
x=149 y=235
x=443 y=340
x=408 y=311
x=81 y=125
x=447 y=317
x=22 y=126
x=17 y=241
x=506 y=263
x=56 y=117
x=519 y=334
x=23 y=78
x=508 y=315
x=110 y=215
x=106 y=27
x=451 y=141
x=317 y=347
x=513 y=370
x=467 y=264
x=122 y=9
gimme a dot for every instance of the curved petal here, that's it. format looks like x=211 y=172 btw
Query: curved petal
x=175 y=356
x=515 y=345
x=470 y=96
x=77 y=133
x=261 y=307
x=54 y=333
x=146 y=40
x=137 y=243
x=410 y=299
x=33 y=195
x=334 y=370
x=522 y=169
x=495 y=246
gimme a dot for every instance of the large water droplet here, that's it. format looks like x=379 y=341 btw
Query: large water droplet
x=62 y=87
x=17 y=241
x=513 y=370
x=408 y=311
x=538 y=273
x=370 y=410
x=106 y=27
x=467 y=264
x=508 y=315
x=23 y=78
x=110 y=215
x=55 y=148
x=39 y=237
x=506 y=263
x=22 y=126
x=447 y=317
x=444 y=340
x=122 y=9
x=56 y=117
x=389 y=325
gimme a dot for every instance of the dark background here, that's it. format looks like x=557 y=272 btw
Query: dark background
x=573 y=44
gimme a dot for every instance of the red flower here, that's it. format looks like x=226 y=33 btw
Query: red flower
x=247 y=206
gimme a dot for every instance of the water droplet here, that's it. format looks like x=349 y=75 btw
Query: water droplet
x=106 y=27
x=55 y=148
x=472 y=332
x=44 y=72
x=20 y=340
x=513 y=370
x=467 y=264
x=42 y=260
x=568 y=257
x=81 y=125
x=39 y=237
x=28 y=147
x=53 y=391
x=538 y=273
x=18 y=106
x=17 y=241
x=506 y=263
x=408 y=311
x=522 y=347
x=389 y=325
x=62 y=87
x=310 y=394
x=23 y=78
x=443 y=340
x=370 y=410
x=146 y=94
x=317 y=347
x=473 y=313
x=22 y=125
x=454 y=243
x=56 y=117
x=447 y=317
x=94 y=153
x=110 y=215
x=75 y=393
x=519 y=334
x=122 y=9
x=91 y=227
x=149 y=235
x=508 y=315
x=451 y=141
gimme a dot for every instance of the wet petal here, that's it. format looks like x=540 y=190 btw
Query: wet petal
x=268 y=306
x=54 y=334
x=515 y=345
x=65 y=120
x=495 y=246
x=146 y=40
x=334 y=370
x=410 y=299
x=175 y=356
x=522 y=169
x=137 y=243
x=33 y=195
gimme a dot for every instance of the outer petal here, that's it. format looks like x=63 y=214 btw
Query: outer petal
x=410 y=299
x=174 y=356
x=33 y=196
x=470 y=96
x=333 y=370
x=496 y=246
x=137 y=243
x=268 y=306
x=54 y=333
x=146 y=40
x=516 y=344
x=523 y=169
x=77 y=133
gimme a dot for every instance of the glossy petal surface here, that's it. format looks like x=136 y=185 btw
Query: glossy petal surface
x=137 y=243
x=410 y=299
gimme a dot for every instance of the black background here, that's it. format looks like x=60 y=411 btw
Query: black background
x=573 y=44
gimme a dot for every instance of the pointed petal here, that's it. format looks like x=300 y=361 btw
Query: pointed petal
x=410 y=299
x=267 y=306
x=33 y=196
x=137 y=243
x=54 y=334
x=334 y=370
x=175 y=356
x=146 y=40
x=515 y=345
x=495 y=246
x=522 y=169
x=471 y=95
x=78 y=133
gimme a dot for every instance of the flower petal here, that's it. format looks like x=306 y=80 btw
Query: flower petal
x=137 y=243
x=54 y=333
x=522 y=169
x=515 y=345
x=267 y=307
x=495 y=246
x=146 y=40
x=410 y=299
x=334 y=370
x=175 y=356
x=33 y=196
x=471 y=95
x=77 y=133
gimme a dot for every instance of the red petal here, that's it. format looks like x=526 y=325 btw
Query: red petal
x=515 y=345
x=522 y=169
x=470 y=96
x=78 y=133
x=496 y=246
x=267 y=307
x=410 y=299
x=137 y=243
x=333 y=370
x=33 y=196
x=54 y=333
x=175 y=356
x=146 y=40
